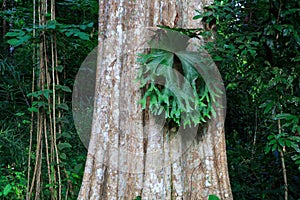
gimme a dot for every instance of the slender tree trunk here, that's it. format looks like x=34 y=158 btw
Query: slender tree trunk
x=129 y=154
x=46 y=128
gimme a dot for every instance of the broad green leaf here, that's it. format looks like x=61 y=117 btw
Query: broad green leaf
x=274 y=147
x=272 y=142
x=295 y=146
x=90 y=24
x=190 y=73
x=71 y=31
x=268 y=106
x=19 y=114
x=33 y=94
x=82 y=35
x=18 y=41
x=14 y=42
x=63 y=88
x=45 y=93
x=270 y=137
x=33 y=109
x=197 y=17
x=288 y=143
x=7 y=189
x=281 y=141
x=213 y=197
x=63 y=106
x=295 y=138
x=15 y=33
x=285 y=116
x=39 y=104
x=267 y=149
x=82 y=26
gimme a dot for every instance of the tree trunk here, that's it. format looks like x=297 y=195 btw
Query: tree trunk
x=129 y=153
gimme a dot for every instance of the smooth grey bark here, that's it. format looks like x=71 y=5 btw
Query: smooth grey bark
x=126 y=143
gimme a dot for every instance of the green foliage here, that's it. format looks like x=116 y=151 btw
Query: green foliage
x=12 y=183
x=18 y=37
x=257 y=46
x=24 y=35
x=172 y=83
x=213 y=197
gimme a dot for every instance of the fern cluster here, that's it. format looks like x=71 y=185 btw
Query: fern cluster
x=171 y=82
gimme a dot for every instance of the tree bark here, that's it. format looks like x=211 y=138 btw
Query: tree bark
x=129 y=154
